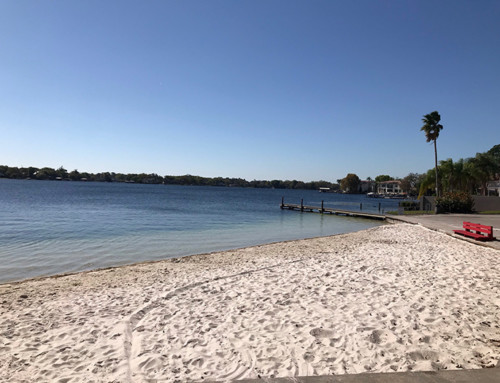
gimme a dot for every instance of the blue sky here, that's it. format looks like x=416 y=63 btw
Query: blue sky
x=303 y=90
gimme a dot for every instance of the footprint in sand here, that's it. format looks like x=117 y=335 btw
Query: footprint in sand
x=380 y=336
x=321 y=333
x=423 y=355
x=308 y=357
x=198 y=362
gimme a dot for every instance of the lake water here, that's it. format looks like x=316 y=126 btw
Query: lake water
x=50 y=227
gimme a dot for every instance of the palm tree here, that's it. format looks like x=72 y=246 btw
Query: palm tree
x=428 y=182
x=447 y=172
x=432 y=128
x=484 y=169
x=463 y=178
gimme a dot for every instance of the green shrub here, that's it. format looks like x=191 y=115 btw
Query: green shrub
x=455 y=202
x=409 y=205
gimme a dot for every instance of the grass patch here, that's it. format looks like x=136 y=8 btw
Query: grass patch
x=490 y=212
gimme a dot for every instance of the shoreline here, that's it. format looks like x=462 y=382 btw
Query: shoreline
x=391 y=298
x=60 y=275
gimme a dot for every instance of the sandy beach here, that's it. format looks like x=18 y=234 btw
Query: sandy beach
x=392 y=298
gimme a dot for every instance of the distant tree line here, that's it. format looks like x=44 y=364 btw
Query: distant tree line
x=469 y=175
x=62 y=174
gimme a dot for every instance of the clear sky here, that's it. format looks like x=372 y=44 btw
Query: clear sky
x=258 y=89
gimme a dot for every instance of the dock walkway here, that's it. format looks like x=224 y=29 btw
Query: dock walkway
x=322 y=210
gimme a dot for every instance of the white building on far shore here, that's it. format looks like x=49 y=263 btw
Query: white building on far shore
x=389 y=187
x=493 y=187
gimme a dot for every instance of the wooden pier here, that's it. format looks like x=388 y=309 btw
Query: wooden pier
x=326 y=210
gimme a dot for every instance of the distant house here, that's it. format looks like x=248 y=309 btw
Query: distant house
x=389 y=187
x=493 y=188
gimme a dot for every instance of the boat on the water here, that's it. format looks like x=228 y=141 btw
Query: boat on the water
x=388 y=196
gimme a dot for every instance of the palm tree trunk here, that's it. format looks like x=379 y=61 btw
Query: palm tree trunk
x=436 y=164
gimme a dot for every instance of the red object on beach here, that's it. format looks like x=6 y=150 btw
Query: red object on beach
x=477 y=231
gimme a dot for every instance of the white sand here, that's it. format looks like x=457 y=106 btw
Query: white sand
x=392 y=298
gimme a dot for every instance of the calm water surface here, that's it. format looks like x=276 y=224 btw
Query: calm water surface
x=50 y=227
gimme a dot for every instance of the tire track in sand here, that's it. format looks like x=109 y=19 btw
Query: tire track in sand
x=133 y=322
